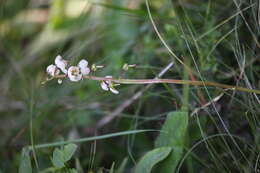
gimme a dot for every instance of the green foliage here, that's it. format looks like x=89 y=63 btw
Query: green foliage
x=72 y=170
x=57 y=13
x=112 y=169
x=173 y=135
x=61 y=156
x=57 y=158
x=25 y=162
x=217 y=39
x=122 y=166
x=68 y=151
x=150 y=159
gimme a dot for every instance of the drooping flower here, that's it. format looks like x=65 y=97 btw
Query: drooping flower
x=61 y=64
x=52 y=70
x=108 y=85
x=113 y=90
x=104 y=85
x=83 y=65
x=59 y=81
x=74 y=73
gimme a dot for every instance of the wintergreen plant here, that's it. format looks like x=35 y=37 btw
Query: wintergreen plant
x=108 y=83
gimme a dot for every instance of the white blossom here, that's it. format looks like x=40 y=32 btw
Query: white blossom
x=61 y=64
x=113 y=90
x=52 y=70
x=108 y=85
x=83 y=65
x=59 y=81
x=74 y=73
x=104 y=86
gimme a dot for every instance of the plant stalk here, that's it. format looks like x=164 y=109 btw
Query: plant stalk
x=170 y=81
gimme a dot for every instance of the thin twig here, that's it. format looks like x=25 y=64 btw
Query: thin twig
x=196 y=110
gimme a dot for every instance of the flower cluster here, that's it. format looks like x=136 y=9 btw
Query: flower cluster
x=74 y=73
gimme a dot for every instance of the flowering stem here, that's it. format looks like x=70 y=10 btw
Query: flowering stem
x=173 y=81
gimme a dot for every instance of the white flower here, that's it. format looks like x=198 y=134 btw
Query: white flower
x=59 y=81
x=52 y=70
x=83 y=65
x=74 y=73
x=104 y=85
x=108 y=85
x=61 y=64
x=113 y=90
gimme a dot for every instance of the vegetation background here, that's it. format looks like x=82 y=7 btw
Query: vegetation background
x=191 y=128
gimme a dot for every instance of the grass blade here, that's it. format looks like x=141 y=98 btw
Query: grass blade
x=55 y=144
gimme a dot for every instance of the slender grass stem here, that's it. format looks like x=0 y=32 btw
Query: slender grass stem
x=170 y=81
x=87 y=139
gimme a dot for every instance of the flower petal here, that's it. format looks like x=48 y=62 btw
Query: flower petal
x=52 y=70
x=61 y=63
x=85 y=71
x=113 y=90
x=64 y=70
x=74 y=74
x=59 y=81
x=104 y=86
x=83 y=63
x=108 y=81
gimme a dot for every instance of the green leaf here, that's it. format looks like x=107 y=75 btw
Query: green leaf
x=150 y=159
x=174 y=130
x=25 y=162
x=173 y=135
x=121 y=8
x=61 y=156
x=122 y=166
x=58 y=158
x=100 y=170
x=57 y=15
x=73 y=170
x=68 y=152
x=112 y=168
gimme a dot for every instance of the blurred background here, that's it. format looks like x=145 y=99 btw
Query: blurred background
x=218 y=40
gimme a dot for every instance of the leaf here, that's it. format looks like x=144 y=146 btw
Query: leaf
x=61 y=156
x=58 y=158
x=174 y=130
x=25 y=162
x=171 y=162
x=99 y=171
x=173 y=135
x=73 y=170
x=150 y=159
x=112 y=168
x=57 y=15
x=120 y=8
x=122 y=166
x=68 y=152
